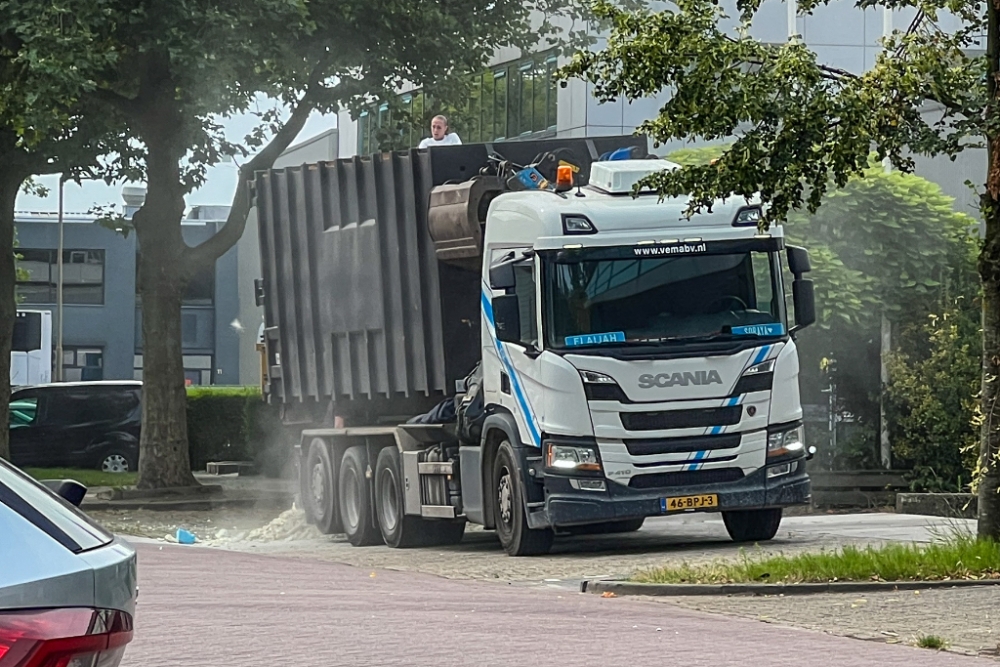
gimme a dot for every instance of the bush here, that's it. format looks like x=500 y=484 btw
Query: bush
x=933 y=403
x=235 y=424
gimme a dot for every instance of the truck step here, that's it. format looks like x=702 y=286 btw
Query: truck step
x=436 y=468
x=438 y=511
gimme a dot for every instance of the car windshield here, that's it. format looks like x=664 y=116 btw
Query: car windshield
x=594 y=297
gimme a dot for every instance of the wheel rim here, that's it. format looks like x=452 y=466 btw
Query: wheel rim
x=115 y=463
x=352 y=498
x=317 y=487
x=505 y=498
x=389 y=511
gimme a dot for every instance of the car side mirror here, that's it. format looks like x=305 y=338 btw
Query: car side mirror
x=507 y=318
x=68 y=489
x=804 y=300
x=798 y=260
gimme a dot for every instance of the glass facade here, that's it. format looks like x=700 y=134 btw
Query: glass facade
x=508 y=101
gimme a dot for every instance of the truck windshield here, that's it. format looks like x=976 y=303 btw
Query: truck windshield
x=594 y=299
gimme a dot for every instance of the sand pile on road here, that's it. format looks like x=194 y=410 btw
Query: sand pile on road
x=290 y=525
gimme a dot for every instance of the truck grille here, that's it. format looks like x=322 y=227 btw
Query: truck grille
x=697 y=418
x=653 y=446
x=664 y=480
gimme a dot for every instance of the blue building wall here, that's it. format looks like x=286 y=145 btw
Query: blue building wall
x=109 y=326
x=115 y=326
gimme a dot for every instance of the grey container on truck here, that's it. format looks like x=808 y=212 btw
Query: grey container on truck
x=360 y=310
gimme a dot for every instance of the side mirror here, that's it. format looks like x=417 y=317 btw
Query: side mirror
x=507 y=318
x=798 y=260
x=69 y=490
x=805 y=303
x=502 y=276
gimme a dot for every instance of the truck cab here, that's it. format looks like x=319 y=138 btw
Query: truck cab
x=643 y=360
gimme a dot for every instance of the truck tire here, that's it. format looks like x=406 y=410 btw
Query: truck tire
x=355 y=499
x=398 y=530
x=317 y=488
x=752 y=525
x=509 y=512
x=609 y=528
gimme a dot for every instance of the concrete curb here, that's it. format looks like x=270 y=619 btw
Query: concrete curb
x=667 y=590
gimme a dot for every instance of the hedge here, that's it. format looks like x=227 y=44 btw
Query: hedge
x=235 y=424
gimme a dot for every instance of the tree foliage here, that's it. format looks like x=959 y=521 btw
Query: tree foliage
x=797 y=126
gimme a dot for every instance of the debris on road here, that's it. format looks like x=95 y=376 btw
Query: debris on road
x=288 y=526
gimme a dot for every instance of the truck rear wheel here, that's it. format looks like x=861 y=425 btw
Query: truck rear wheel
x=354 y=497
x=752 y=525
x=398 y=530
x=509 y=511
x=317 y=488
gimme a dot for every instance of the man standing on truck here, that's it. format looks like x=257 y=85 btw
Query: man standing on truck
x=439 y=134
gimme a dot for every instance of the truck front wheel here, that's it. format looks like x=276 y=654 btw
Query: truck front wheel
x=752 y=525
x=354 y=497
x=508 y=509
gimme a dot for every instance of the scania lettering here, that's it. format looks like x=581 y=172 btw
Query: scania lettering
x=520 y=342
x=648 y=381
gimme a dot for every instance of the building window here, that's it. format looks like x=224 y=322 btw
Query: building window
x=200 y=289
x=83 y=364
x=512 y=100
x=197 y=369
x=83 y=276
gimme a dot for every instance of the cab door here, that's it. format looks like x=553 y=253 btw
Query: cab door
x=511 y=367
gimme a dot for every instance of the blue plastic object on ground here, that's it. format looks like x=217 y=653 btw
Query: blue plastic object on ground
x=185 y=537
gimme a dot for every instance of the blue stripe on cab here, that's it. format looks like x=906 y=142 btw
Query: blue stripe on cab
x=519 y=395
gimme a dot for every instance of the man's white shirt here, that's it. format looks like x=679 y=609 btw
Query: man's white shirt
x=448 y=140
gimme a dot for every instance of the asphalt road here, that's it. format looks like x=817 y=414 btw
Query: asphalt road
x=215 y=608
x=662 y=541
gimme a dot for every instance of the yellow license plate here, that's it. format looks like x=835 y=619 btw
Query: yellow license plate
x=682 y=503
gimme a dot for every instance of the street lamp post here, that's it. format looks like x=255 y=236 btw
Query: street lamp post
x=59 y=289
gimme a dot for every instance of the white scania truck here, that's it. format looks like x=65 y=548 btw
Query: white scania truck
x=456 y=337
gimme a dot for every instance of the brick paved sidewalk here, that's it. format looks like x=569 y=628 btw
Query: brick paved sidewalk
x=967 y=618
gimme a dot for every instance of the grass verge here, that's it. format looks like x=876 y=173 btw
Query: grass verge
x=960 y=557
x=86 y=477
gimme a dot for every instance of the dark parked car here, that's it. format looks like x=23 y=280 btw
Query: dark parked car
x=76 y=425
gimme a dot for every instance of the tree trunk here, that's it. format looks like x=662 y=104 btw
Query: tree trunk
x=989 y=450
x=164 y=460
x=989 y=272
x=9 y=185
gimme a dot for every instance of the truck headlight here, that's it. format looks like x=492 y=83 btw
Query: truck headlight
x=601 y=387
x=571 y=457
x=786 y=443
